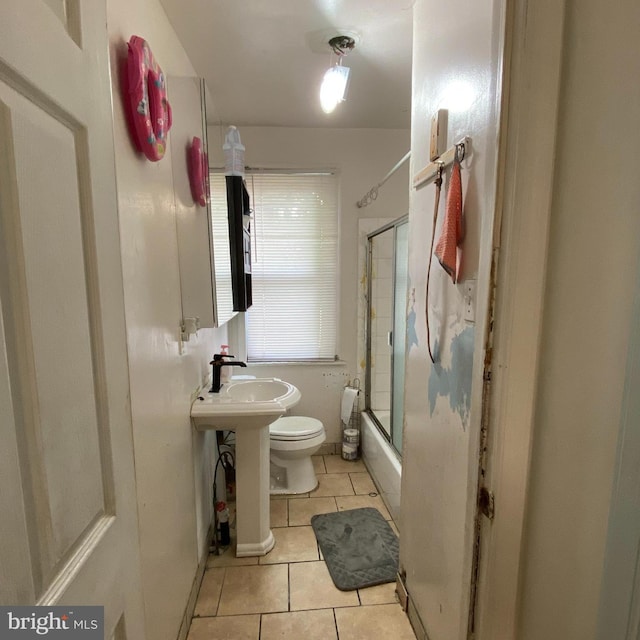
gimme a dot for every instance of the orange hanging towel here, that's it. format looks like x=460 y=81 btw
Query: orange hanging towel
x=452 y=233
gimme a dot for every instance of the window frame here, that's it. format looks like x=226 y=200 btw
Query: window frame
x=327 y=172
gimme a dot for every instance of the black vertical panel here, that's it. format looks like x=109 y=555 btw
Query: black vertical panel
x=238 y=206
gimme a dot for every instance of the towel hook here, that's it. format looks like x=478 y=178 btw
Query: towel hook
x=439 y=171
x=461 y=151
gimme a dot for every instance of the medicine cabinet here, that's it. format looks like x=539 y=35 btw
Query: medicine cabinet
x=203 y=241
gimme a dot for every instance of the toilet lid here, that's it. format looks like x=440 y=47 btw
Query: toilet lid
x=292 y=427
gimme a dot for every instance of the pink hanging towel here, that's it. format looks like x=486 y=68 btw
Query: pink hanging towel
x=452 y=232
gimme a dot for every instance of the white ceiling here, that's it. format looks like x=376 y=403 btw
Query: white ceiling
x=263 y=60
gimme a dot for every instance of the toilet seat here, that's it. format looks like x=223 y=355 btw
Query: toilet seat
x=295 y=428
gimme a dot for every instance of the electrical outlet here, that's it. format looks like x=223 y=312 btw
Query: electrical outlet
x=469 y=300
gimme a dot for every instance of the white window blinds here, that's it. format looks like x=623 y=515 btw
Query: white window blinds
x=294 y=266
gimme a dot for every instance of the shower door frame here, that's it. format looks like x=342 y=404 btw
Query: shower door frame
x=394 y=224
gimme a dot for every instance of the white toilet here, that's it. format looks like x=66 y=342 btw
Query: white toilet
x=294 y=439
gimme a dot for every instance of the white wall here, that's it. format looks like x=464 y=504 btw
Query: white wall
x=168 y=455
x=363 y=157
x=456 y=66
x=593 y=258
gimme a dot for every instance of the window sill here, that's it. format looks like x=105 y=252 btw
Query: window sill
x=303 y=363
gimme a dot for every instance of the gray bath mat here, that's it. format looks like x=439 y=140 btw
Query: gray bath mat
x=359 y=547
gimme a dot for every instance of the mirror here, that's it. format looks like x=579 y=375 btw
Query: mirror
x=203 y=236
x=219 y=234
x=221 y=247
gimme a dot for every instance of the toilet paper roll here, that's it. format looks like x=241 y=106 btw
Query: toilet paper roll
x=349 y=451
x=348 y=398
x=351 y=436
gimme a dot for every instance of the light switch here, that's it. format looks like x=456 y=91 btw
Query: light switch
x=469 y=300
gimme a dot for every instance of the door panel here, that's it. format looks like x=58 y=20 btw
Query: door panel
x=68 y=12
x=66 y=427
x=67 y=493
x=14 y=547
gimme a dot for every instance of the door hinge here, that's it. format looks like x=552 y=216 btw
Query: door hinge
x=486 y=503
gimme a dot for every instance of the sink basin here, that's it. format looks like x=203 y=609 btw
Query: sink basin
x=263 y=390
x=248 y=407
x=242 y=404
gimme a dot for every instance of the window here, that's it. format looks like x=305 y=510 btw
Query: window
x=294 y=266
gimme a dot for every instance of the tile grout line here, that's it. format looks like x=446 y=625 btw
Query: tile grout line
x=224 y=577
x=352 y=486
x=289 y=563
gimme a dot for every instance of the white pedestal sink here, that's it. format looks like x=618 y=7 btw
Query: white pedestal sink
x=248 y=407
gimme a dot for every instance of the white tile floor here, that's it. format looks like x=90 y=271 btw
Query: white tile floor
x=289 y=594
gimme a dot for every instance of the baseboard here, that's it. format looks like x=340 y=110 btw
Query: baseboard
x=329 y=449
x=401 y=592
x=195 y=588
x=408 y=607
x=416 y=622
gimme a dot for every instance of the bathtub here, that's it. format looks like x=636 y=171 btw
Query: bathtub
x=383 y=464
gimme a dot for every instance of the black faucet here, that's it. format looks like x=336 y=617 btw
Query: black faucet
x=218 y=362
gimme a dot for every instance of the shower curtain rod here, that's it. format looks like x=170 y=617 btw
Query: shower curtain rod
x=373 y=192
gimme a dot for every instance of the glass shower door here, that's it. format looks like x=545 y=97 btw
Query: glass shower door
x=400 y=289
x=386 y=328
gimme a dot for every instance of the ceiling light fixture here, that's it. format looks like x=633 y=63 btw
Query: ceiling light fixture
x=335 y=81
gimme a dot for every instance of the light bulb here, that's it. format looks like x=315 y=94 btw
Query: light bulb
x=333 y=88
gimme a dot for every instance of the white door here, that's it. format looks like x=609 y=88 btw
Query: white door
x=66 y=461
x=442 y=438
